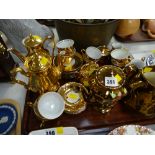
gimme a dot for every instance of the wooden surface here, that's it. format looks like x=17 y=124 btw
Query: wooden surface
x=139 y=36
x=87 y=121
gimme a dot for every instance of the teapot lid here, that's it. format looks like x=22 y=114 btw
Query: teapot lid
x=32 y=40
x=111 y=77
x=38 y=62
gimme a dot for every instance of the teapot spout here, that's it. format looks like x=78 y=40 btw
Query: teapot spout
x=17 y=53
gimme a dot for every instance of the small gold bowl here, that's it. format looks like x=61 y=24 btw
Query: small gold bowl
x=73 y=94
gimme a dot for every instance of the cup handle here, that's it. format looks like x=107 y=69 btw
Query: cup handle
x=85 y=58
x=13 y=72
x=83 y=52
x=145 y=29
x=130 y=57
x=143 y=59
x=42 y=124
x=150 y=34
x=85 y=89
x=136 y=85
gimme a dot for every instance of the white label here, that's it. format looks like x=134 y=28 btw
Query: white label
x=111 y=81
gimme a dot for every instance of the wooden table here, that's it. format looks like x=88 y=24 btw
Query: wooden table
x=88 y=121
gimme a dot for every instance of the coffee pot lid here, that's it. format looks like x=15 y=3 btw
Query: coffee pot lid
x=32 y=41
x=38 y=62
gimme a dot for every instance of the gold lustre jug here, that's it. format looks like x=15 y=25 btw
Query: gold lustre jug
x=38 y=65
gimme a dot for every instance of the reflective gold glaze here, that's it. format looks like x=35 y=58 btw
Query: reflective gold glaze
x=71 y=71
x=107 y=96
x=86 y=71
x=142 y=92
x=121 y=62
x=66 y=55
x=39 y=66
x=110 y=71
x=73 y=94
x=105 y=56
x=2 y=49
x=105 y=51
x=32 y=41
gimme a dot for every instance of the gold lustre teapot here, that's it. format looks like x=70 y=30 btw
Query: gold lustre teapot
x=38 y=65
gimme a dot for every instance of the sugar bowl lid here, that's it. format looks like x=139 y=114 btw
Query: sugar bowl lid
x=110 y=76
x=32 y=41
x=38 y=62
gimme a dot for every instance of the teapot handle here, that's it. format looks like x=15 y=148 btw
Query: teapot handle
x=14 y=71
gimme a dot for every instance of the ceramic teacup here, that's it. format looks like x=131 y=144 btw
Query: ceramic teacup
x=49 y=106
x=138 y=63
x=91 y=54
x=66 y=50
x=133 y=68
x=120 y=57
x=144 y=79
x=149 y=27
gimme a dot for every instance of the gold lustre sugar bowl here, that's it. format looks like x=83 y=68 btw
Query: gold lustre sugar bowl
x=107 y=84
x=74 y=96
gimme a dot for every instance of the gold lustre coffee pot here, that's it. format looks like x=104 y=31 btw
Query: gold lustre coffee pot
x=38 y=65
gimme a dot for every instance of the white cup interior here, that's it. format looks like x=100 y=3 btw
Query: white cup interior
x=51 y=105
x=93 y=52
x=66 y=43
x=119 y=54
x=138 y=63
x=150 y=76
